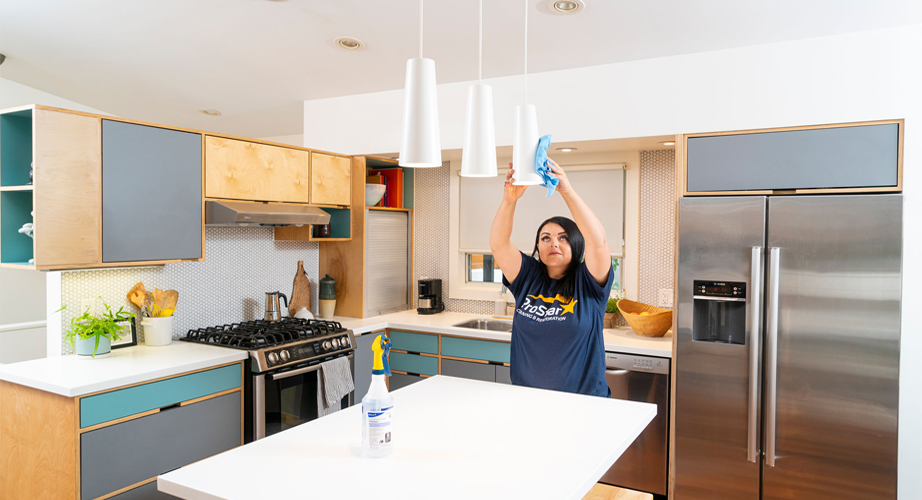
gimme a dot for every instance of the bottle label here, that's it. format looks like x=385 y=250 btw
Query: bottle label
x=379 y=427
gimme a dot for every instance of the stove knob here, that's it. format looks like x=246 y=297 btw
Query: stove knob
x=335 y=343
x=327 y=345
x=273 y=358
x=344 y=341
x=284 y=355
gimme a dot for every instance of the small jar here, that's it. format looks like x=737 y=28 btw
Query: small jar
x=327 y=297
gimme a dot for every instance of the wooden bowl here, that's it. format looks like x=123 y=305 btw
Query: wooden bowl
x=656 y=324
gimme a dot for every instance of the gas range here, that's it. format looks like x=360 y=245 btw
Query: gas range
x=280 y=345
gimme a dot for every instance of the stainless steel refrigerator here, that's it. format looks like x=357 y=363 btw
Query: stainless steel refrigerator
x=787 y=362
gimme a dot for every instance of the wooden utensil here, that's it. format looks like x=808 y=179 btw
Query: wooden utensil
x=301 y=291
x=137 y=295
x=170 y=297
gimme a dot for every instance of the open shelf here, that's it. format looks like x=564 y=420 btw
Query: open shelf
x=340 y=228
x=17 y=188
x=15 y=210
x=380 y=163
x=392 y=209
x=15 y=147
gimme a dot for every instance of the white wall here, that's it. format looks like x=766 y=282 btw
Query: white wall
x=23 y=293
x=294 y=140
x=861 y=76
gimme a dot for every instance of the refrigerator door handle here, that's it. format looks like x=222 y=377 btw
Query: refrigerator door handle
x=771 y=356
x=755 y=357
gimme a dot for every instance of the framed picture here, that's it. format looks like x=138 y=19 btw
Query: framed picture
x=128 y=334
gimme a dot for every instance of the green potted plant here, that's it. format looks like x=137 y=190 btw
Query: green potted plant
x=611 y=311
x=92 y=336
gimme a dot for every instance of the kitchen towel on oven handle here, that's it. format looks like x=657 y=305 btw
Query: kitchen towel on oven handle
x=335 y=383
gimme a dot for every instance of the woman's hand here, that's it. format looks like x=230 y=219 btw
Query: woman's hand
x=564 y=186
x=512 y=193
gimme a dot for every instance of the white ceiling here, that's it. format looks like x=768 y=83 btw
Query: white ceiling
x=258 y=60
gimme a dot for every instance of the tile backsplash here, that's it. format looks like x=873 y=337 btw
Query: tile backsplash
x=240 y=265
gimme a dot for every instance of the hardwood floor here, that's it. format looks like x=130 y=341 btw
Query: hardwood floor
x=605 y=492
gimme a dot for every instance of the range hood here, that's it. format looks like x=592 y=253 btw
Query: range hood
x=248 y=213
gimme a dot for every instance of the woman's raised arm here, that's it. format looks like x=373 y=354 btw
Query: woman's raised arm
x=505 y=255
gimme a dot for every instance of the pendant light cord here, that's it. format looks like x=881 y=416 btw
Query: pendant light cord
x=480 y=49
x=526 y=51
x=420 y=29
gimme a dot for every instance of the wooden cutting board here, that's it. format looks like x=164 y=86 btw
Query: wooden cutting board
x=301 y=291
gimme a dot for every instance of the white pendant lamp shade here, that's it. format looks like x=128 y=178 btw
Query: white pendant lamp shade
x=525 y=146
x=420 y=145
x=478 y=158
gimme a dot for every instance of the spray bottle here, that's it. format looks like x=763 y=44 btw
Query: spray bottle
x=377 y=405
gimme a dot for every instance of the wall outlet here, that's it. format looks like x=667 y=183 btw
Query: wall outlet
x=665 y=297
x=87 y=305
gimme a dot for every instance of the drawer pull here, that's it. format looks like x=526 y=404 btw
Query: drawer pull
x=170 y=407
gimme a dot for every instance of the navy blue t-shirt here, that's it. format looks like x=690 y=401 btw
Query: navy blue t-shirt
x=557 y=343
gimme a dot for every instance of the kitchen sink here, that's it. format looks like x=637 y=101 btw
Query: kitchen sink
x=487 y=324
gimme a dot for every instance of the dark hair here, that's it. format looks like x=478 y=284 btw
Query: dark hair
x=577 y=247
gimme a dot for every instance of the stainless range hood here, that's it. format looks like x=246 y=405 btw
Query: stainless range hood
x=248 y=213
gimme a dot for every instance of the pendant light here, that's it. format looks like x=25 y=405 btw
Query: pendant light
x=478 y=159
x=420 y=145
x=525 y=142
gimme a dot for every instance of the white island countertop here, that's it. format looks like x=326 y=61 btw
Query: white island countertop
x=72 y=376
x=616 y=339
x=453 y=439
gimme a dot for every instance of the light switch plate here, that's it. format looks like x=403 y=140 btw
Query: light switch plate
x=88 y=304
x=665 y=297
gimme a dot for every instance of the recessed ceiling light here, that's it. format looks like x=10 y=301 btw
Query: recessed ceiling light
x=2 y=58
x=211 y=112
x=668 y=143
x=565 y=6
x=349 y=43
x=566 y=150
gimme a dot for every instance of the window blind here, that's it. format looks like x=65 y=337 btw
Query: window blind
x=601 y=187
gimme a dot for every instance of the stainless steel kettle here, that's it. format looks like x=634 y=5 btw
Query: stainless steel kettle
x=273 y=310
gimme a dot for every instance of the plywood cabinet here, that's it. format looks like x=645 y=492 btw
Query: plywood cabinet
x=244 y=170
x=331 y=179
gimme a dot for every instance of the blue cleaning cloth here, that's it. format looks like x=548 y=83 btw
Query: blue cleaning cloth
x=550 y=180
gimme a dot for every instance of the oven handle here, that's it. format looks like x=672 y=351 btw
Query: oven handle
x=292 y=373
x=299 y=371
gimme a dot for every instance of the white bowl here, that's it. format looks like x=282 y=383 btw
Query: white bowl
x=374 y=193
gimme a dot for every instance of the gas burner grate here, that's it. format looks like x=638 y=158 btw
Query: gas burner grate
x=252 y=335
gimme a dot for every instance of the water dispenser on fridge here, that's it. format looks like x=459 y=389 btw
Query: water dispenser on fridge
x=719 y=312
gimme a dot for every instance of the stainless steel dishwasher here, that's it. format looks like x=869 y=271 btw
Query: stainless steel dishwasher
x=644 y=465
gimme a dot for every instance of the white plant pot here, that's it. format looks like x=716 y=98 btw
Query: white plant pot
x=158 y=331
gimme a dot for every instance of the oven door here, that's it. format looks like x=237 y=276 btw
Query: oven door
x=282 y=400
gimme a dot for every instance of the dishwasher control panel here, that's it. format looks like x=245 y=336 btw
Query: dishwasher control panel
x=635 y=363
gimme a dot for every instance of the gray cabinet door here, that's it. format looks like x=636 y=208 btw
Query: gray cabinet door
x=503 y=375
x=147 y=492
x=151 y=193
x=842 y=157
x=123 y=454
x=467 y=369
x=364 y=358
x=399 y=380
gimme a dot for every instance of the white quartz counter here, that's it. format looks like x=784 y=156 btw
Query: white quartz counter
x=616 y=339
x=453 y=439
x=71 y=376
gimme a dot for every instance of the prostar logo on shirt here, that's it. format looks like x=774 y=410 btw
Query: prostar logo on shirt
x=559 y=306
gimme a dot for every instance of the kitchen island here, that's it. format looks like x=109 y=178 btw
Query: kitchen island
x=453 y=438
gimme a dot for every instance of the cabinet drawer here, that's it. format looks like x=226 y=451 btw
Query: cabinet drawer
x=414 y=342
x=146 y=492
x=468 y=369
x=503 y=375
x=120 y=455
x=475 y=349
x=414 y=363
x=399 y=380
x=140 y=398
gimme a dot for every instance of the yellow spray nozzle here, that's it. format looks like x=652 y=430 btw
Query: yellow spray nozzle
x=381 y=348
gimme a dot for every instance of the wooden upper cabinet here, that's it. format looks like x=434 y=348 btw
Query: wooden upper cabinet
x=242 y=170
x=331 y=179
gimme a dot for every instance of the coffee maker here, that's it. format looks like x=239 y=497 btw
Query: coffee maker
x=430 y=296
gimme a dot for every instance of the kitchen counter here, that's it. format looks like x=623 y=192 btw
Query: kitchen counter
x=453 y=439
x=616 y=339
x=72 y=376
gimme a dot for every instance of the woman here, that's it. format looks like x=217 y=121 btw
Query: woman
x=560 y=298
